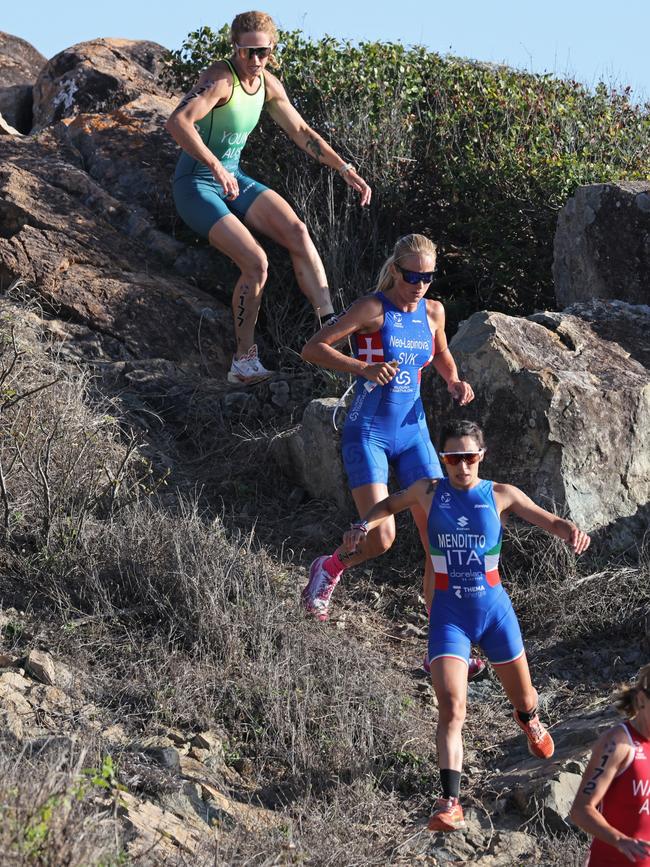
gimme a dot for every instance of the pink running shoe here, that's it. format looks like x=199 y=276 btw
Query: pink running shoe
x=475 y=667
x=318 y=590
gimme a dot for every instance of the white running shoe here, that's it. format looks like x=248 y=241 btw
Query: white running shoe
x=248 y=369
x=318 y=590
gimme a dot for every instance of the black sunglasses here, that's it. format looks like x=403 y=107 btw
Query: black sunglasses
x=262 y=51
x=414 y=277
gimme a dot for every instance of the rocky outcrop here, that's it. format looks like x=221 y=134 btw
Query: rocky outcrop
x=628 y=325
x=20 y=64
x=565 y=408
x=100 y=261
x=310 y=454
x=96 y=77
x=602 y=244
x=566 y=413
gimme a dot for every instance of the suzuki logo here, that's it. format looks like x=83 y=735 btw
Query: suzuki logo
x=462 y=521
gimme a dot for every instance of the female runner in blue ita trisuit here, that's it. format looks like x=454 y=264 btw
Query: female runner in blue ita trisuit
x=396 y=332
x=464 y=527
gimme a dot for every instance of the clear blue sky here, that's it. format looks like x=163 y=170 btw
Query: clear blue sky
x=587 y=40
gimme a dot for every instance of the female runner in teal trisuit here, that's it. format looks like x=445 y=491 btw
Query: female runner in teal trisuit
x=216 y=199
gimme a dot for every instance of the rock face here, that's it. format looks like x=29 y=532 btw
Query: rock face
x=100 y=260
x=20 y=62
x=311 y=453
x=602 y=244
x=96 y=76
x=20 y=65
x=566 y=413
x=563 y=402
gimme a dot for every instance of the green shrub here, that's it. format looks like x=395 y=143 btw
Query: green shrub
x=478 y=156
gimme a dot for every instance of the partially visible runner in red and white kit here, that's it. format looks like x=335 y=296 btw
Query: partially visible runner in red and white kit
x=613 y=802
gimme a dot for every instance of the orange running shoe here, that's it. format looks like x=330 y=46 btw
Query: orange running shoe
x=540 y=743
x=447 y=815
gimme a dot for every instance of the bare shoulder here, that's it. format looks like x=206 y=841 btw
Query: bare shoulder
x=435 y=308
x=217 y=73
x=366 y=311
x=612 y=738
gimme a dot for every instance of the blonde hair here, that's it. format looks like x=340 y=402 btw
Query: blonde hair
x=249 y=22
x=627 y=696
x=407 y=246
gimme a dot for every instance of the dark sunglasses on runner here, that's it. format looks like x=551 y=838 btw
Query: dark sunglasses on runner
x=248 y=51
x=414 y=277
x=454 y=458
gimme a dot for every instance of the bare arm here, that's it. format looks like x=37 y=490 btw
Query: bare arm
x=443 y=361
x=212 y=88
x=288 y=119
x=510 y=500
x=609 y=757
x=364 y=315
x=420 y=492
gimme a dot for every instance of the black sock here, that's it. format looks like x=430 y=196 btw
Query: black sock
x=526 y=717
x=450 y=782
x=325 y=318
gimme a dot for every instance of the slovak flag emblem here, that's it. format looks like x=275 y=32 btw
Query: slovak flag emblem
x=370 y=348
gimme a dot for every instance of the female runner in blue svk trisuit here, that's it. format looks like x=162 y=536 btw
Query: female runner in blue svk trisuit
x=465 y=515
x=387 y=425
x=396 y=332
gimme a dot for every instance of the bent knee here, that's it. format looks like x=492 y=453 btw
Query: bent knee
x=380 y=540
x=451 y=710
x=297 y=237
x=255 y=267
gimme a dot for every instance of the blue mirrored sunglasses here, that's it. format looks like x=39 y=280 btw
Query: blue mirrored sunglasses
x=414 y=277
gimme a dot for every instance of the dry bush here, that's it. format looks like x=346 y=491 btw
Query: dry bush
x=48 y=813
x=563 y=596
x=228 y=643
x=61 y=458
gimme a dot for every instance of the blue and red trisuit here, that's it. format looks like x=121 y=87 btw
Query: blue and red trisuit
x=470 y=605
x=386 y=424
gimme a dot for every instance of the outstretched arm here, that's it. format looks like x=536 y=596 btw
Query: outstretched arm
x=610 y=756
x=286 y=117
x=419 y=492
x=510 y=500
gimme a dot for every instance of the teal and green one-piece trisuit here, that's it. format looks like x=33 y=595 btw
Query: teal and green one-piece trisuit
x=199 y=199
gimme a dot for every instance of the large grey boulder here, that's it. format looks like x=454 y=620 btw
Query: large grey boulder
x=602 y=244
x=96 y=76
x=565 y=410
x=310 y=454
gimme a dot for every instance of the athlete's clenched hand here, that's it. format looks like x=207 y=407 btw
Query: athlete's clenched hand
x=227 y=180
x=579 y=540
x=382 y=372
x=461 y=391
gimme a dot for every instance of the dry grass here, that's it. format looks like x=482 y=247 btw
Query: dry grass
x=48 y=814
x=189 y=620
